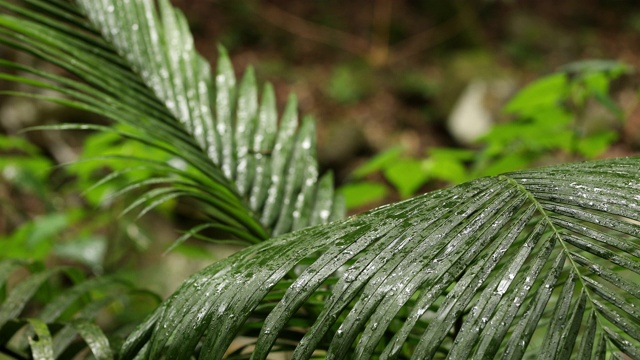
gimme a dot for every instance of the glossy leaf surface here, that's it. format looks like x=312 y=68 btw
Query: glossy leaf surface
x=534 y=263
x=539 y=262
x=65 y=321
x=135 y=62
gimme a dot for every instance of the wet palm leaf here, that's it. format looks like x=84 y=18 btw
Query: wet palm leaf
x=65 y=324
x=135 y=62
x=540 y=262
x=535 y=263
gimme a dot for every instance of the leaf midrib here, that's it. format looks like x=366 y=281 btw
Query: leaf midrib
x=558 y=236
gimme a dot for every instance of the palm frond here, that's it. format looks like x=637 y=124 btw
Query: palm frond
x=65 y=324
x=135 y=62
x=541 y=262
x=534 y=263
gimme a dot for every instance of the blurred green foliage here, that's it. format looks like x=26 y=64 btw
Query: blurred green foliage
x=90 y=169
x=22 y=165
x=349 y=83
x=64 y=225
x=362 y=193
x=548 y=122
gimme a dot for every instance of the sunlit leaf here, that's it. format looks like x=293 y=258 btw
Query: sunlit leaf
x=540 y=93
x=362 y=193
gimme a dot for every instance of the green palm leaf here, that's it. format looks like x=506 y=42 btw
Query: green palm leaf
x=136 y=64
x=66 y=319
x=534 y=263
x=540 y=262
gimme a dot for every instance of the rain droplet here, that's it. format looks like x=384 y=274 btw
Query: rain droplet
x=502 y=287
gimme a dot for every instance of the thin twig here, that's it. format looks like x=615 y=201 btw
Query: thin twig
x=426 y=39
x=379 y=49
x=310 y=31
